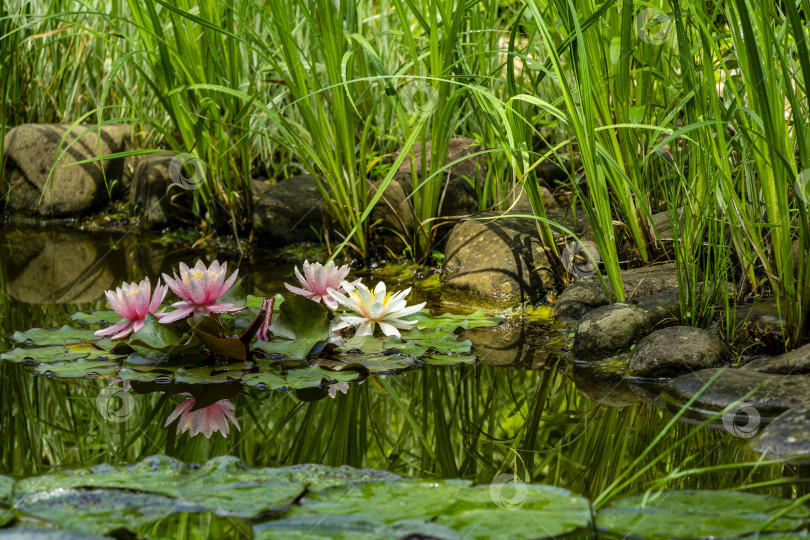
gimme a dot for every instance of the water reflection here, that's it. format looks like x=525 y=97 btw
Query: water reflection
x=548 y=421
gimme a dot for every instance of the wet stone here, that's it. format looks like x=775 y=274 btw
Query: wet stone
x=795 y=362
x=777 y=394
x=474 y=168
x=497 y=262
x=761 y=328
x=158 y=200
x=587 y=294
x=787 y=437
x=289 y=211
x=676 y=350
x=609 y=330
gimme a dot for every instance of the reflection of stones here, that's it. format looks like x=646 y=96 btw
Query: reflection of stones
x=761 y=328
x=609 y=388
x=32 y=149
x=586 y=294
x=787 y=437
x=608 y=330
x=795 y=362
x=778 y=393
x=495 y=263
x=677 y=350
x=509 y=346
x=289 y=211
x=159 y=201
x=70 y=267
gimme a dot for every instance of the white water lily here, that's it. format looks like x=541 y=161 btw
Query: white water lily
x=373 y=308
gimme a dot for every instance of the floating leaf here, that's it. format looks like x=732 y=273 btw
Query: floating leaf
x=485 y=512
x=448 y=359
x=207 y=330
x=77 y=368
x=6 y=483
x=374 y=363
x=297 y=379
x=99 y=510
x=698 y=514
x=449 y=321
x=156 y=336
x=303 y=323
x=350 y=528
x=62 y=336
x=96 y=317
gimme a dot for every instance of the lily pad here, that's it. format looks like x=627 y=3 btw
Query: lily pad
x=699 y=514
x=27 y=532
x=373 y=363
x=224 y=486
x=96 y=317
x=61 y=336
x=57 y=353
x=449 y=321
x=350 y=528
x=302 y=324
x=469 y=511
x=6 y=485
x=156 y=336
x=298 y=378
x=77 y=368
x=99 y=510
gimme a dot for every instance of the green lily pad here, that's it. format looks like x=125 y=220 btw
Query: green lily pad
x=62 y=336
x=485 y=512
x=373 y=363
x=302 y=324
x=448 y=359
x=208 y=374
x=297 y=379
x=224 y=486
x=6 y=484
x=77 y=368
x=110 y=317
x=349 y=528
x=698 y=514
x=99 y=510
x=449 y=321
x=155 y=336
x=27 y=532
x=57 y=353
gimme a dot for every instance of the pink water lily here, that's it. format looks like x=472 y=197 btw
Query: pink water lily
x=133 y=301
x=206 y=420
x=199 y=288
x=318 y=279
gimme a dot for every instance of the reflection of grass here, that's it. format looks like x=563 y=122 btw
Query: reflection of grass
x=472 y=422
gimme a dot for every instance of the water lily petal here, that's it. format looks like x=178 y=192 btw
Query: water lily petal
x=115 y=328
x=180 y=313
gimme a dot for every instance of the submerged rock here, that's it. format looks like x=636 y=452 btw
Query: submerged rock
x=498 y=262
x=457 y=148
x=289 y=211
x=587 y=294
x=509 y=347
x=795 y=362
x=609 y=330
x=777 y=394
x=676 y=350
x=32 y=149
x=761 y=328
x=787 y=437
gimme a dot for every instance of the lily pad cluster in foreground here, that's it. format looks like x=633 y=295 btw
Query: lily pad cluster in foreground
x=316 y=501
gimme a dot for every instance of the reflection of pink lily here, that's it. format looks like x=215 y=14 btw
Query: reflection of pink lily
x=206 y=420
x=199 y=288
x=318 y=279
x=132 y=302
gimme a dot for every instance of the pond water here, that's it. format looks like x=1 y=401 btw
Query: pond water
x=524 y=407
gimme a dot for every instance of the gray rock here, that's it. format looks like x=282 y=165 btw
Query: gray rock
x=786 y=437
x=31 y=151
x=677 y=350
x=522 y=204
x=761 y=328
x=495 y=263
x=47 y=266
x=609 y=330
x=472 y=168
x=795 y=362
x=587 y=294
x=777 y=394
x=662 y=225
x=289 y=211
x=393 y=215
x=156 y=199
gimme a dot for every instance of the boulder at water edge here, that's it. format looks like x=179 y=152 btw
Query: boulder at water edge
x=31 y=151
x=289 y=211
x=676 y=350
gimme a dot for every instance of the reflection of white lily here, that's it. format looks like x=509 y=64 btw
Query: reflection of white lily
x=372 y=308
x=333 y=388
